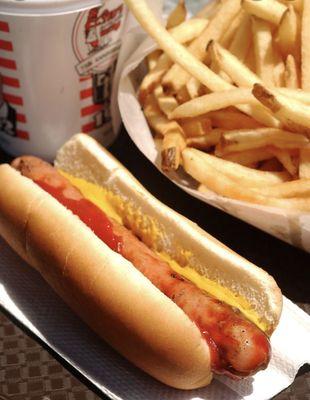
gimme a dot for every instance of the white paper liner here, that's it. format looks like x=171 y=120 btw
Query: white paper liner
x=292 y=227
x=25 y=295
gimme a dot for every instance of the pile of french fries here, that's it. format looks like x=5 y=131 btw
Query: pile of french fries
x=227 y=96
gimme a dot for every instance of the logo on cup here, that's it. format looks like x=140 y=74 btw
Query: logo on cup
x=96 y=43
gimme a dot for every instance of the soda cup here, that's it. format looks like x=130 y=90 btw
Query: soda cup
x=57 y=61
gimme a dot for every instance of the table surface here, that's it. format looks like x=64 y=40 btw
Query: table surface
x=28 y=371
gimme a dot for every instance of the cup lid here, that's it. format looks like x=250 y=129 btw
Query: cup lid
x=45 y=7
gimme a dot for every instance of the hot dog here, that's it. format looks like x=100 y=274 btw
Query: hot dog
x=229 y=343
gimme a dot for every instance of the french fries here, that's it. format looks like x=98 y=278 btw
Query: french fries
x=228 y=96
x=177 y=16
x=268 y=10
x=305 y=47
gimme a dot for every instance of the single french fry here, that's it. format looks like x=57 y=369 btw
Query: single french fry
x=165 y=102
x=177 y=15
x=264 y=53
x=241 y=174
x=239 y=72
x=193 y=87
x=304 y=164
x=289 y=34
x=189 y=30
x=182 y=95
x=293 y=189
x=247 y=139
x=242 y=40
x=198 y=126
x=291 y=73
x=278 y=70
x=285 y=159
x=277 y=197
x=305 y=46
x=294 y=115
x=157 y=120
x=231 y=30
x=152 y=59
x=172 y=146
x=206 y=141
x=248 y=157
x=177 y=76
x=296 y=94
x=211 y=102
x=229 y=120
x=220 y=183
x=208 y=10
x=297 y=4
x=249 y=61
x=183 y=33
x=268 y=10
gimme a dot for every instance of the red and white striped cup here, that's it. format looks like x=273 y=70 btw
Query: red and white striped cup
x=57 y=60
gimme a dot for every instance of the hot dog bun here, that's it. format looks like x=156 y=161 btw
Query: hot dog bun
x=104 y=288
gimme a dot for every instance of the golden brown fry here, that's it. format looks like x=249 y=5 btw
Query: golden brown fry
x=177 y=77
x=193 y=87
x=241 y=42
x=248 y=157
x=296 y=94
x=249 y=61
x=298 y=188
x=183 y=33
x=152 y=59
x=212 y=102
x=172 y=146
x=157 y=120
x=165 y=102
x=177 y=15
x=206 y=141
x=264 y=52
x=285 y=159
x=228 y=120
x=246 y=139
x=239 y=173
x=297 y=4
x=268 y=10
x=304 y=165
x=294 y=115
x=291 y=73
x=212 y=179
x=208 y=10
x=305 y=47
x=231 y=30
x=198 y=126
x=289 y=34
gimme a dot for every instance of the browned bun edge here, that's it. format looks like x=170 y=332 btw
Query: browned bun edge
x=103 y=288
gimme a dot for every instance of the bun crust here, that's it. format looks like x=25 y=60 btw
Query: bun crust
x=101 y=286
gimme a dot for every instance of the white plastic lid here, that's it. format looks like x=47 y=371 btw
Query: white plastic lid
x=45 y=7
